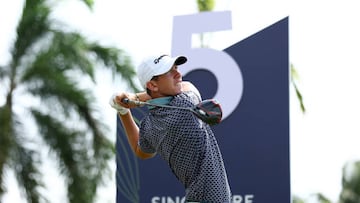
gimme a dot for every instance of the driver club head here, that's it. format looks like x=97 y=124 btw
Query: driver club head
x=209 y=111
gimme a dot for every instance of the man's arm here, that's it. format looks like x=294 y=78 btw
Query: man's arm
x=132 y=133
x=131 y=128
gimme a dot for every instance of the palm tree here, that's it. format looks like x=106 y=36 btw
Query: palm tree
x=42 y=84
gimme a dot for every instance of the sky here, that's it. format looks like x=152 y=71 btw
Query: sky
x=324 y=47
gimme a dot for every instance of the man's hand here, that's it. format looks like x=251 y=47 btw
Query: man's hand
x=122 y=110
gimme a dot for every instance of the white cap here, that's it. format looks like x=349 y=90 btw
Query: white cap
x=157 y=65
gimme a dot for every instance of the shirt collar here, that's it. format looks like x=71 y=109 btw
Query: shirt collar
x=160 y=100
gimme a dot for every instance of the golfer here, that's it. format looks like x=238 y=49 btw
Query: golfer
x=186 y=143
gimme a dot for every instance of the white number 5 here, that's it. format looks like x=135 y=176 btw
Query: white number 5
x=221 y=64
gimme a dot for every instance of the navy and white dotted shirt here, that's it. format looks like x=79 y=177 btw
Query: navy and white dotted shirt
x=189 y=147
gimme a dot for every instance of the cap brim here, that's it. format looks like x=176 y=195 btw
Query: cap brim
x=166 y=67
x=180 y=60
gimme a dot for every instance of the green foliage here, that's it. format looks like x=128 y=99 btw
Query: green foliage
x=45 y=78
x=315 y=198
x=350 y=192
x=321 y=198
x=351 y=183
x=294 y=77
x=296 y=199
x=5 y=141
x=89 y=3
x=205 y=5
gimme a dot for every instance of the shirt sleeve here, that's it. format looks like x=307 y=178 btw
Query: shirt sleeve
x=144 y=144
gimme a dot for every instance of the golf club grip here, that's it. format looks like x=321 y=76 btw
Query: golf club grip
x=128 y=101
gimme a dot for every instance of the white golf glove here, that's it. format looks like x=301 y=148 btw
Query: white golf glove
x=120 y=109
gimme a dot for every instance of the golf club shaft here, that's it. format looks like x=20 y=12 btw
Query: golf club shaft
x=140 y=103
x=201 y=113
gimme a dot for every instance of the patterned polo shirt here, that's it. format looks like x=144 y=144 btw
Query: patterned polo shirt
x=189 y=147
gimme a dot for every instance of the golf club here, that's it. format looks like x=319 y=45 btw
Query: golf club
x=208 y=110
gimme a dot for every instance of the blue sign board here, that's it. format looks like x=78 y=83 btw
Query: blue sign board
x=253 y=137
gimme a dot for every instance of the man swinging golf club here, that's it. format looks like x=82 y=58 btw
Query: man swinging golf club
x=183 y=139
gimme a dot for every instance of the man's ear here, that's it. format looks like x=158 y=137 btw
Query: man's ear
x=152 y=85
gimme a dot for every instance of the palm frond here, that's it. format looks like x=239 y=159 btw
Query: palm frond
x=74 y=155
x=89 y=3
x=293 y=77
x=2 y=72
x=296 y=199
x=117 y=61
x=102 y=147
x=32 y=26
x=56 y=84
x=27 y=172
x=70 y=51
x=321 y=198
x=23 y=160
x=50 y=83
x=57 y=89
